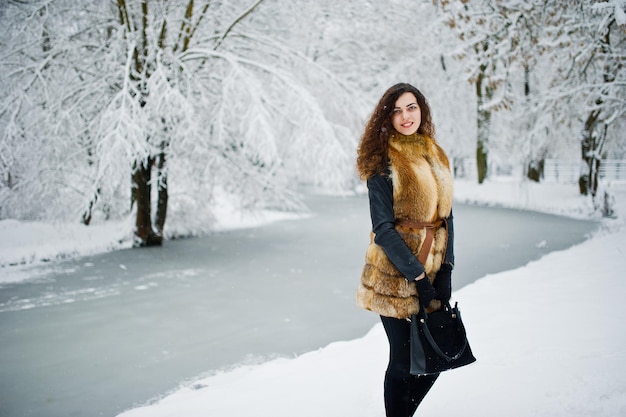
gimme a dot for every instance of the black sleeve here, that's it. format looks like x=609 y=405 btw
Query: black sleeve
x=449 y=258
x=380 y=192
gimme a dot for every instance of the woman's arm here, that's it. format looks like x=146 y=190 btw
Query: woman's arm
x=449 y=257
x=443 y=279
x=383 y=225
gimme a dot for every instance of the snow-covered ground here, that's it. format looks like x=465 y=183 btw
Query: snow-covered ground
x=548 y=336
x=26 y=244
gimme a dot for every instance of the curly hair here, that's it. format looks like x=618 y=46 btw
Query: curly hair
x=372 y=150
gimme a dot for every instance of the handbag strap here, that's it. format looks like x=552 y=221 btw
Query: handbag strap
x=428 y=240
x=432 y=341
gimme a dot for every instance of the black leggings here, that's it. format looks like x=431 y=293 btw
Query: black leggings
x=403 y=391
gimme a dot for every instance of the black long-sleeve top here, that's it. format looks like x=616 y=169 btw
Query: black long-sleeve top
x=386 y=236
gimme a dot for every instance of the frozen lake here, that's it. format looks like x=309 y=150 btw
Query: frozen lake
x=97 y=335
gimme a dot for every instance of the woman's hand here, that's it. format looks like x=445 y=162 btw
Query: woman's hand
x=443 y=283
x=425 y=289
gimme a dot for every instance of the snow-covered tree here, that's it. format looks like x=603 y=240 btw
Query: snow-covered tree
x=154 y=108
x=493 y=36
x=588 y=42
x=187 y=99
x=570 y=55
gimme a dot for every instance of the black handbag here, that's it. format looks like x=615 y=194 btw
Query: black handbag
x=438 y=341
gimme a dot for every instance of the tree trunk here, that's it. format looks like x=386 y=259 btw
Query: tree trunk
x=483 y=121
x=86 y=217
x=591 y=148
x=162 y=195
x=535 y=170
x=594 y=130
x=142 y=197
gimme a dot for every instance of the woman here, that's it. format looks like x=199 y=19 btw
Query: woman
x=410 y=257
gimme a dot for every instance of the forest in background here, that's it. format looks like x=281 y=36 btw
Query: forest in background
x=156 y=108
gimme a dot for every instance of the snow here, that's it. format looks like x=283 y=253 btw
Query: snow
x=620 y=15
x=618 y=7
x=26 y=243
x=30 y=243
x=548 y=336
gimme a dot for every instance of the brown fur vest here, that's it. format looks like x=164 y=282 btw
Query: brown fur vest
x=422 y=192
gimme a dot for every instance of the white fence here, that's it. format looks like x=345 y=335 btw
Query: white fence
x=613 y=169
x=557 y=170
x=554 y=170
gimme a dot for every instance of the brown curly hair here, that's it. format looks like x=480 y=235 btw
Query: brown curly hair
x=372 y=150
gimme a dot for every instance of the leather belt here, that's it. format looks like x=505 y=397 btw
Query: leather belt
x=430 y=233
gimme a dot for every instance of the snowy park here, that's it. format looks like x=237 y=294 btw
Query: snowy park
x=549 y=342
x=551 y=330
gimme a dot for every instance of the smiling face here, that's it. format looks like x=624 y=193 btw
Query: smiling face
x=406 y=116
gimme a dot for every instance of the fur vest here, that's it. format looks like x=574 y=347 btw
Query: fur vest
x=422 y=192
